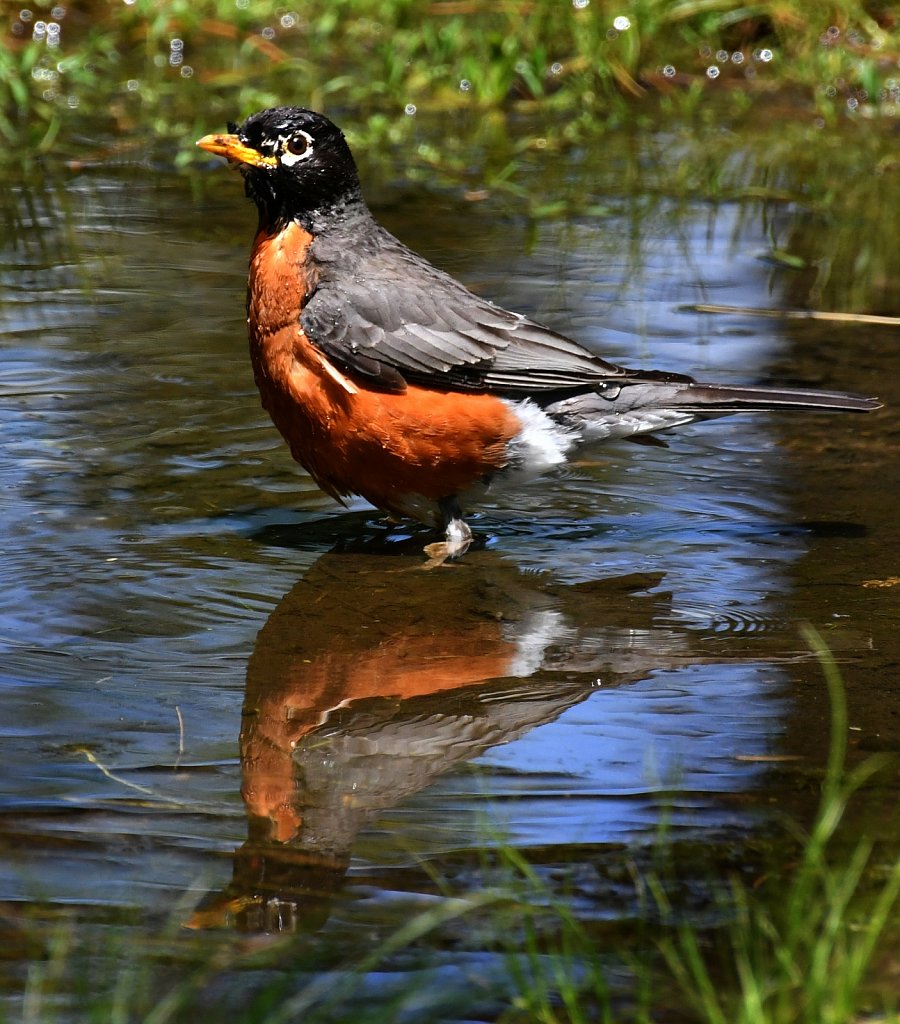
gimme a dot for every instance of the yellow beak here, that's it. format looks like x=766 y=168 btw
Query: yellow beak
x=235 y=151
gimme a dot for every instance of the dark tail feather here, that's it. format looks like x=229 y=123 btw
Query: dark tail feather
x=710 y=399
x=654 y=402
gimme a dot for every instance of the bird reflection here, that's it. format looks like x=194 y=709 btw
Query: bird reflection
x=371 y=679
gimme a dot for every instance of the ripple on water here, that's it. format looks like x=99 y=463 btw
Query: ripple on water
x=156 y=531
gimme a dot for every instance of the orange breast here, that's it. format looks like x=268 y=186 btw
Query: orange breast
x=389 y=448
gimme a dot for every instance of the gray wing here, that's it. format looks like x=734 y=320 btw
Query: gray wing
x=394 y=318
x=389 y=316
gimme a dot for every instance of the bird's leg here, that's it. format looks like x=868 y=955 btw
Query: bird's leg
x=457 y=535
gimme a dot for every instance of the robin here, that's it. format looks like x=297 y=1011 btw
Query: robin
x=390 y=380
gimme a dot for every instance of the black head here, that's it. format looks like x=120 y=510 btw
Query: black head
x=296 y=163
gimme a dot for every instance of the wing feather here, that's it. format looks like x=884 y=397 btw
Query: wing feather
x=393 y=317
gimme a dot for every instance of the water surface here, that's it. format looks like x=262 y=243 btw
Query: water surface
x=230 y=704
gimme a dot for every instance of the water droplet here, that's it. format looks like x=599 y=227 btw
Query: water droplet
x=737 y=57
x=132 y=85
x=40 y=30
x=129 y=3
x=288 y=20
x=580 y=5
x=621 y=23
x=712 y=71
x=765 y=55
x=72 y=102
x=556 y=68
x=705 y=52
x=268 y=33
x=832 y=32
x=830 y=91
x=669 y=71
x=25 y=15
x=58 y=12
x=187 y=71
x=176 y=44
x=464 y=85
x=410 y=109
x=852 y=103
x=722 y=56
x=242 y=5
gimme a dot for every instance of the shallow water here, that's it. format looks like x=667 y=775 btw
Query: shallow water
x=231 y=704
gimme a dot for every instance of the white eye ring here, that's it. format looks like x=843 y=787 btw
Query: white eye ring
x=287 y=157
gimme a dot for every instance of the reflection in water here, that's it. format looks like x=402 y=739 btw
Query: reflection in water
x=152 y=521
x=371 y=679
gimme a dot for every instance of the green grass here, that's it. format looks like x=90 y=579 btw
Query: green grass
x=803 y=957
x=798 y=949
x=125 y=74
x=797 y=113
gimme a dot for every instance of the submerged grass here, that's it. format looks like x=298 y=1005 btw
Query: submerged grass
x=801 y=946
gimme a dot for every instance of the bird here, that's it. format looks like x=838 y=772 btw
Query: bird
x=390 y=380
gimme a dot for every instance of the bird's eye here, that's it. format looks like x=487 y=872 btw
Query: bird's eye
x=295 y=148
x=297 y=145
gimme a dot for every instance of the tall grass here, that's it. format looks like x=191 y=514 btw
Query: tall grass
x=798 y=951
x=803 y=957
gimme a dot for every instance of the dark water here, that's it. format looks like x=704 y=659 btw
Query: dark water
x=230 y=704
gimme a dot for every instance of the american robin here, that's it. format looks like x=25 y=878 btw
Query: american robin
x=390 y=380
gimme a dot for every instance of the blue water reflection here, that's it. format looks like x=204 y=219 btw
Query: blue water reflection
x=153 y=522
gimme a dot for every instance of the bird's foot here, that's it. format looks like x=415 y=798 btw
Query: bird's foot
x=457 y=538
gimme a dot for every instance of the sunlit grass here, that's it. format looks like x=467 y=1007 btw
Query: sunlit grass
x=779 y=101
x=146 y=69
x=803 y=957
